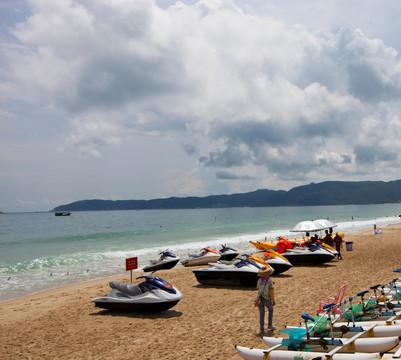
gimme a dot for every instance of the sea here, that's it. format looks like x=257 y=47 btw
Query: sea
x=39 y=251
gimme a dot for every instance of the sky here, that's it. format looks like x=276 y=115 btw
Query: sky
x=144 y=99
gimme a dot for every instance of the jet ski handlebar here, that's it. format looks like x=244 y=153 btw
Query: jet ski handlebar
x=148 y=275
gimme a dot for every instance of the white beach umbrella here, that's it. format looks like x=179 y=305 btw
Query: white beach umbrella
x=325 y=224
x=307 y=226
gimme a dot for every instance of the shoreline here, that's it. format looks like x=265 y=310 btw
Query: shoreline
x=57 y=255
x=206 y=324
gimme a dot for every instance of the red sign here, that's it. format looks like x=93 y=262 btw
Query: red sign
x=131 y=263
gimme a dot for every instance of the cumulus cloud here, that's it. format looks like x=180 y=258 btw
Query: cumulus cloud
x=225 y=175
x=258 y=93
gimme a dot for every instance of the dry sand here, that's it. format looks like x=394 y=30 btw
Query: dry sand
x=205 y=324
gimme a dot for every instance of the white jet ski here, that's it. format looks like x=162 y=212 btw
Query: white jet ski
x=227 y=253
x=167 y=260
x=314 y=255
x=278 y=262
x=207 y=255
x=152 y=295
x=242 y=272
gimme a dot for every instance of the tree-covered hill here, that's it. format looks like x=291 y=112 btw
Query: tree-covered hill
x=325 y=193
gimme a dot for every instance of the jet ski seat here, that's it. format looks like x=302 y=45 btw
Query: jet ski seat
x=126 y=288
x=222 y=265
x=226 y=262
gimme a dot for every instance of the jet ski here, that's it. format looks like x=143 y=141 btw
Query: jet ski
x=167 y=260
x=152 y=295
x=227 y=253
x=278 y=262
x=206 y=256
x=242 y=272
x=282 y=245
x=314 y=255
x=272 y=258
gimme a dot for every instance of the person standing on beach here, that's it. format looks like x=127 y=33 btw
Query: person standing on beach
x=338 y=241
x=266 y=295
x=328 y=239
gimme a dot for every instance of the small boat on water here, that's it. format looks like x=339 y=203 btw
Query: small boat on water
x=62 y=213
x=206 y=256
x=227 y=253
x=242 y=272
x=167 y=260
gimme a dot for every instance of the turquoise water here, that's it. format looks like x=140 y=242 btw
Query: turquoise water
x=40 y=251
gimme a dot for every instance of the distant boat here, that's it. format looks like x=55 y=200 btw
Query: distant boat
x=62 y=213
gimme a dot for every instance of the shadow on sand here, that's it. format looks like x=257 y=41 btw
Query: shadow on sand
x=228 y=286
x=167 y=314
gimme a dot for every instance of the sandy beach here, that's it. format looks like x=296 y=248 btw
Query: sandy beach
x=206 y=324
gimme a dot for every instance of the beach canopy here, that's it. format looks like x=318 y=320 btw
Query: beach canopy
x=311 y=226
x=326 y=223
x=307 y=226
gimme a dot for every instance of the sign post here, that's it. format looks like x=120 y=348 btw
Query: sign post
x=131 y=264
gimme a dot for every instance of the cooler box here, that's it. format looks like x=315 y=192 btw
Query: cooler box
x=349 y=245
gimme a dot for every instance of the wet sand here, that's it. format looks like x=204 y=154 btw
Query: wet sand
x=206 y=324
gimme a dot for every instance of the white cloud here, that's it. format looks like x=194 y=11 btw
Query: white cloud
x=245 y=90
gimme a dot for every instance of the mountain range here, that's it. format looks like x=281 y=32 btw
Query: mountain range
x=324 y=193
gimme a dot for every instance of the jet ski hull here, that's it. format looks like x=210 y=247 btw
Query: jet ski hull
x=226 y=277
x=308 y=258
x=162 y=265
x=279 y=268
x=228 y=256
x=278 y=264
x=201 y=260
x=117 y=304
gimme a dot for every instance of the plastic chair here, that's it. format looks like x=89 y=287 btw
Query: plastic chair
x=339 y=297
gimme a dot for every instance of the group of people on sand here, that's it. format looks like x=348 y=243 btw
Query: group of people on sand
x=335 y=241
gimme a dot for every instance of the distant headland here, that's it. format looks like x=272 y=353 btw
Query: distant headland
x=324 y=193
